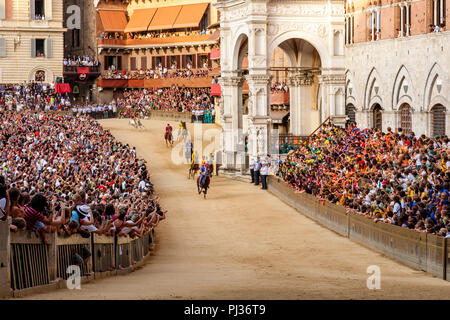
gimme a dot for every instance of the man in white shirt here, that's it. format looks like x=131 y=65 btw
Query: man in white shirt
x=264 y=171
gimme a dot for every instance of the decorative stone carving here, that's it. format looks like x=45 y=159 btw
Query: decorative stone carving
x=231 y=81
x=300 y=80
x=319 y=29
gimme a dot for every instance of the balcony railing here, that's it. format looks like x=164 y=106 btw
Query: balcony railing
x=74 y=69
x=153 y=41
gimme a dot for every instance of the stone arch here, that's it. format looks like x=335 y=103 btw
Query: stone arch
x=372 y=92
x=315 y=41
x=435 y=88
x=48 y=74
x=338 y=46
x=350 y=90
x=403 y=91
x=239 y=41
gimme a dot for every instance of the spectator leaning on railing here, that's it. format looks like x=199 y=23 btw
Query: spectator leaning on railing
x=66 y=174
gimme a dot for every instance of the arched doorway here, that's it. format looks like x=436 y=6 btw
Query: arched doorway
x=265 y=29
x=438 y=120
x=350 y=112
x=377 y=117
x=300 y=69
x=405 y=118
x=39 y=76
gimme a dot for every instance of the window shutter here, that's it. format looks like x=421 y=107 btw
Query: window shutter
x=49 y=48
x=48 y=9
x=133 y=63
x=144 y=63
x=2 y=47
x=32 y=10
x=2 y=9
x=33 y=48
x=119 y=63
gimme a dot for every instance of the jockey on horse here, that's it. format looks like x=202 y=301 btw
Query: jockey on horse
x=182 y=131
x=205 y=173
x=168 y=134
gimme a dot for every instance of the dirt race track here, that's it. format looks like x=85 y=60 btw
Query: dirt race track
x=243 y=243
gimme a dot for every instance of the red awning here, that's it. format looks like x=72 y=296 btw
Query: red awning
x=215 y=54
x=215 y=90
x=62 y=88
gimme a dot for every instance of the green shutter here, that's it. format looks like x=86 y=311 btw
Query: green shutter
x=33 y=48
x=2 y=47
x=2 y=10
x=32 y=10
x=49 y=48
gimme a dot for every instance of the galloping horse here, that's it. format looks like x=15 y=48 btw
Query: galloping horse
x=135 y=122
x=202 y=186
x=193 y=170
x=169 y=138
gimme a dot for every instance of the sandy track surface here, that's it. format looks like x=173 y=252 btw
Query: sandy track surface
x=243 y=243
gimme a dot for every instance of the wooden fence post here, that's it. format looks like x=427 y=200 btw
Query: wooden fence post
x=5 y=253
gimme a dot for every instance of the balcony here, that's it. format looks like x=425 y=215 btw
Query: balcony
x=94 y=70
x=153 y=41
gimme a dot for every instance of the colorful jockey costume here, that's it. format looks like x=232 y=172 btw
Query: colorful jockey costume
x=204 y=173
x=168 y=131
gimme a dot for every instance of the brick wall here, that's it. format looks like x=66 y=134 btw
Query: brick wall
x=388 y=23
x=421 y=18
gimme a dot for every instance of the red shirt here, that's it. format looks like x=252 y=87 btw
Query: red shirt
x=32 y=216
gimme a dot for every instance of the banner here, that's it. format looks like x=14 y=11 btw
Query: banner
x=62 y=88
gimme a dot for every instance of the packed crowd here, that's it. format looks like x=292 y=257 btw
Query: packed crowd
x=391 y=177
x=32 y=96
x=80 y=61
x=181 y=99
x=66 y=174
x=150 y=35
x=158 y=73
x=96 y=111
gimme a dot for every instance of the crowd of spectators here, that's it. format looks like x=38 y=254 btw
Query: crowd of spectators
x=151 y=35
x=157 y=73
x=80 y=61
x=181 y=99
x=392 y=177
x=66 y=174
x=32 y=96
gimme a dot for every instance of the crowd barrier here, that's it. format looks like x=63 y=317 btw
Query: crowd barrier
x=421 y=251
x=171 y=115
x=26 y=263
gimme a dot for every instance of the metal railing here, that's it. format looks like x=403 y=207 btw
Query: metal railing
x=74 y=69
x=26 y=262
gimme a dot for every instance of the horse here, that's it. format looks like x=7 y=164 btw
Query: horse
x=193 y=170
x=203 y=185
x=139 y=123
x=169 y=138
x=132 y=122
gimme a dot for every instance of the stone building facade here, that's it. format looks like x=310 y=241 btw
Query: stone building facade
x=31 y=40
x=397 y=58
